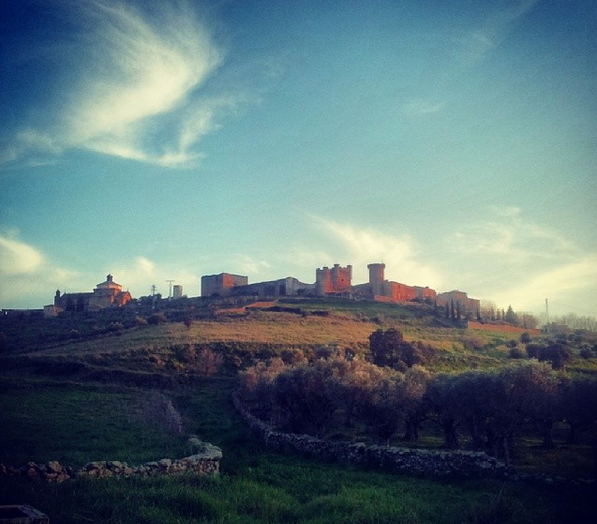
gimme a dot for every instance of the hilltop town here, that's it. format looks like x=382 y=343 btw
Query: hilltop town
x=333 y=281
x=337 y=282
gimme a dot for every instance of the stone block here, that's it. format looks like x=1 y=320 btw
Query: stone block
x=22 y=514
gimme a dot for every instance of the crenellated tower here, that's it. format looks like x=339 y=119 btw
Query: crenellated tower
x=333 y=280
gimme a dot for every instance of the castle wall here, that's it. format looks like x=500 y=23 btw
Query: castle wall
x=72 y=301
x=425 y=292
x=283 y=287
x=221 y=284
x=334 y=280
x=399 y=292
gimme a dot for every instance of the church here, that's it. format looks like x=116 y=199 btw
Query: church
x=105 y=294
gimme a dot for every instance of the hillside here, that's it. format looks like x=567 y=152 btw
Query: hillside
x=103 y=394
x=257 y=331
x=250 y=332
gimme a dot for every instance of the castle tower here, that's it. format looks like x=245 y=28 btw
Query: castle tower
x=376 y=278
x=341 y=278
x=333 y=280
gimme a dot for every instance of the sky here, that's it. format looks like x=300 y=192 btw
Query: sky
x=456 y=142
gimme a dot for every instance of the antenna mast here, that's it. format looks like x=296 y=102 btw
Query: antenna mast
x=153 y=297
x=170 y=288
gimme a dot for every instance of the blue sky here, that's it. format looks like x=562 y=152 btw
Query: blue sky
x=454 y=141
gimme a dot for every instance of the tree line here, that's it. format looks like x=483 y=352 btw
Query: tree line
x=393 y=396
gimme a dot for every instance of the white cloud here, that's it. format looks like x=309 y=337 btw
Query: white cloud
x=511 y=260
x=27 y=277
x=248 y=265
x=506 y=234
x=560 y=285
x=17 y=258
x=136 y=74
x=140 y=274
x=420 y=106
x=361 y=246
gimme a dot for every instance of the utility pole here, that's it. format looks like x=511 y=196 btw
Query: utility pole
x=153 y=297
x=170 y=288
x=546 y=316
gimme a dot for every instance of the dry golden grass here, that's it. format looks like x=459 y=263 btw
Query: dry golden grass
x=257 y=327
x=282 y=328
x=158 y=346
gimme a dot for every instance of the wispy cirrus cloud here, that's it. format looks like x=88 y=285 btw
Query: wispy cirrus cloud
x=421 y=106
x=135 y=90
x=559 y=284
x=249 y=265
x=512 y=260
x=505 y=233
x=503 y=15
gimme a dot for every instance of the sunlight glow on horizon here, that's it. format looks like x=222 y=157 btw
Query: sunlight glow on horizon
x=455 y=142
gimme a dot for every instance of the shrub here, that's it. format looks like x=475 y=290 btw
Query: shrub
x=557 y=354
x=208 y=362
x=516 y=352
x=293 y=356
x=525 y=338
x=472 y=342
x=116 y=327
x=388 y=348
x=533 y=350
x=158 y=410
x=586 y=352
x=323 y=353
x=157 y=318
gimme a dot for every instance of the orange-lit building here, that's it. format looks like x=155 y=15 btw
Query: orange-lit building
x=384 y=290
x=333 y=281
x=105 y=294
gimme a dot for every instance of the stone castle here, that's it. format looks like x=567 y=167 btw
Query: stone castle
x=335 y=281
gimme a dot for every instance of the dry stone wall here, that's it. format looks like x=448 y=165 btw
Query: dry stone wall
x=434 y=463
x=205 y=463
x=430 y=463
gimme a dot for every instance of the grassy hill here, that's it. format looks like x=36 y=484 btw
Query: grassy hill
x=303 y=324
x=101 y=394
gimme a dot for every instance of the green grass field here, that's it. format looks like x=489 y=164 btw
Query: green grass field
x=49 y=415
x=76 y=423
